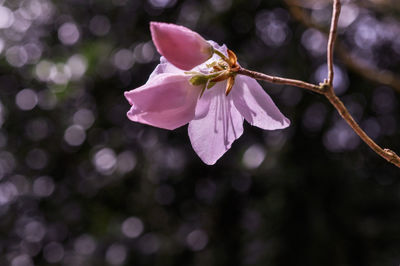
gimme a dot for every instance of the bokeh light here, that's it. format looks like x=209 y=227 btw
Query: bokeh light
x=132 y=227
x=68 y=33
x=26 y=99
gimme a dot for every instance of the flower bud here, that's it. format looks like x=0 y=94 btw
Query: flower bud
x=179 y=45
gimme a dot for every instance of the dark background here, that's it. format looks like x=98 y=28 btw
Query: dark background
x=82 y=185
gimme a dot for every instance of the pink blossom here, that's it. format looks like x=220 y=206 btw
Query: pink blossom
x=182 y=47
x=215 y=113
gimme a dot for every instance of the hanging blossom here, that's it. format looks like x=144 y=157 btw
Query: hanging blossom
x=196 y=83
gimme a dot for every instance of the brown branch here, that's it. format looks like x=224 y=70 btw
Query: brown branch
x=328 y=92
x=279 y=80
x=326 y=88
x=331 y=40
x=387 y=154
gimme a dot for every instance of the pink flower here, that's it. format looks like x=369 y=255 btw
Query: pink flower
x=212 y=100
x=182 y=47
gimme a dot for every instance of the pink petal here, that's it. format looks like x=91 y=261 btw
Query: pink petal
x=164 y=67
x=167 y=101
x=220 y=124
x=182 y=47
x=256 y=106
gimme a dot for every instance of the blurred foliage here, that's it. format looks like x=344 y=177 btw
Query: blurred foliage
x=82 y=185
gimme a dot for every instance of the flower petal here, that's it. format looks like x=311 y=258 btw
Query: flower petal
x=164 y=67
x=213 y=133
x=182 y=47
x=256 y=106
x=167 y=101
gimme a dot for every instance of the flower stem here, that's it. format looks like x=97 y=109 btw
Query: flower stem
x=282 y=81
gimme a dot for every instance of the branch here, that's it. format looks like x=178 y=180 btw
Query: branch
x=326 y=89
x=387 y=154
x=331 y=40
x=279 y=80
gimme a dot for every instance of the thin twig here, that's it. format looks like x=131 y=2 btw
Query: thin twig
x=279 y=80
x=326 y=88
x=331 y=40
x=387 y=154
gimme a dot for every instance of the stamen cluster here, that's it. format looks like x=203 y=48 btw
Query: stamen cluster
x=223 y=69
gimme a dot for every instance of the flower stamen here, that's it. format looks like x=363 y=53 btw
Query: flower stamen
x=229 y=85
x=224 y=69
